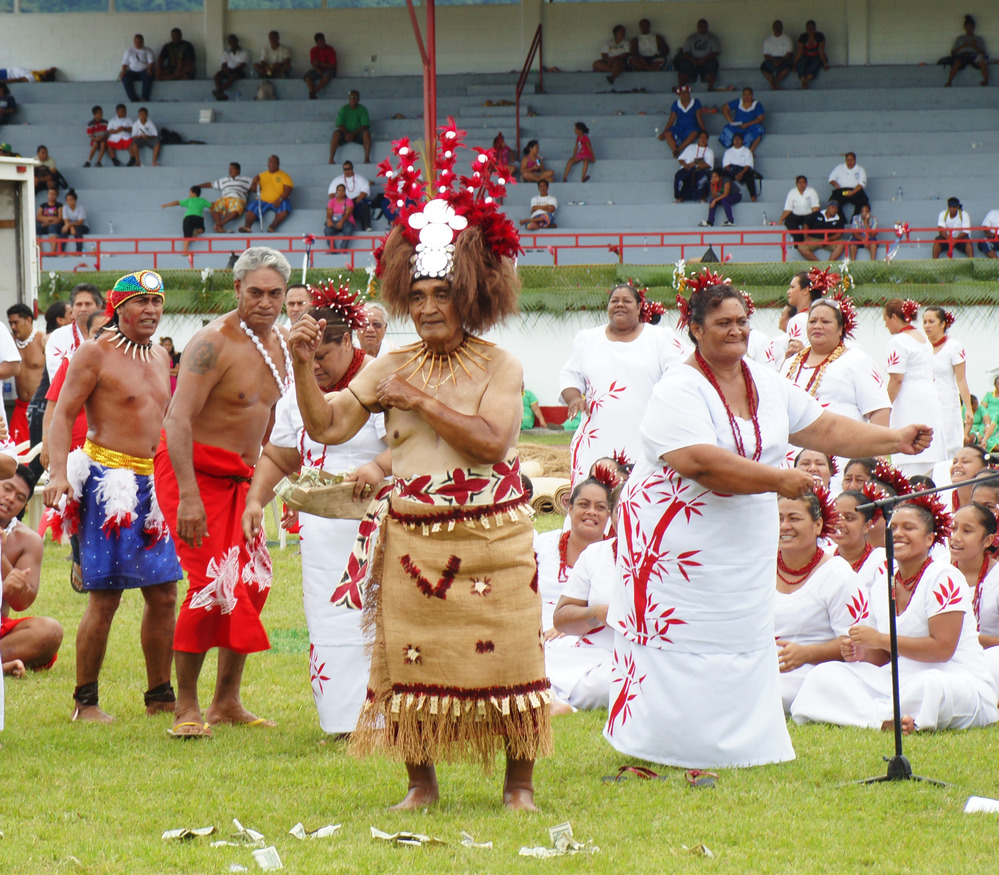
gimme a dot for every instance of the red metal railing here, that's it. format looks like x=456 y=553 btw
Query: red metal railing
x=535 y=49
x=677 y=244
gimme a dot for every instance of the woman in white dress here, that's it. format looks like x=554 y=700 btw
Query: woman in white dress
x=944 y=681
x=910 y=383
x=338 y=664
x=794 y=318
x=695 y=679
x=609 y=378
x=819 y=597
x=970 y=542
x=949 y=378
x=852 y=534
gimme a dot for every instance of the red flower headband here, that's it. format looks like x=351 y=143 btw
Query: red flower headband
x=943 y=523
x=909 y=309
x=647 y=310
x=830 y=516
x=823 y=280
x=340 y=299
x=698 y=283
x=874 y=493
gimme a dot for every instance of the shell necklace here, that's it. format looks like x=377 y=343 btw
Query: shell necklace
x=21 y=344
x=282 y=384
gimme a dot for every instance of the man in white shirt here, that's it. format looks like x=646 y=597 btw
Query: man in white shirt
x=358 y=189
x=954 y=225
x=991 y=242
x=144 y=133
x=649 y=51
x=696 y=163
x=613 y=58
x=737 y=162
x=234 y=61
x=275 y=59
x=119 y=133
x=801 y=202
x=233 y=190
x=849 y=184
x=543 y=207
x=84 y=299
x=778 y=56
x=138 y=62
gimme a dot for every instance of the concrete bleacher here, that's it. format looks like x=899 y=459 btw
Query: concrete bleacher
x=908 y=131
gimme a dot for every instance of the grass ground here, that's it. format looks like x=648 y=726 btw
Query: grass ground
x=95 y=799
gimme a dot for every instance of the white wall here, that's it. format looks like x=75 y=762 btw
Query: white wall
x=495 y=38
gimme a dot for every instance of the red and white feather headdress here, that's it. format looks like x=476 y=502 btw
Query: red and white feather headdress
x=338 y=297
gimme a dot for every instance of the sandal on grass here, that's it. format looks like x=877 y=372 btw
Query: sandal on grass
x=190 y=729
x=76 y=577
x=698 y=778
x=640 y=772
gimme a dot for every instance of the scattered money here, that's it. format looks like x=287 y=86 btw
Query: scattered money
x=981 y=804
x=562 y=843
x=300 y=832
x=413 y=839
x=267 y=858
x=700 y=850
x=186 y=834
x=468 y=840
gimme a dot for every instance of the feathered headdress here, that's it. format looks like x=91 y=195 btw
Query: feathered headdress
x=433 y=213
x=682 y=283
x=647 y=310
x=339 y=298
x=823 y=280
x=943 y=522
x=843 y=303
x=909 y=309
x=830 y=516
x=873 y=493
x=891 y=476
x=605 y=475
x=948 y=319
x=621 y=457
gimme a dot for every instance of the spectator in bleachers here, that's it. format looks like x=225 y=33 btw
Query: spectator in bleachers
x=234 y=61
x=144 y=134
x=649 y=51
x=968 y=51
x=176 y=59
x=504 y=156
x=532 y=165
x=47 y=175
x=685 y=122
x=119 y=134
x=778 y=56
x=352 y=124
x=613 y=58
x=849 y=184
x=532 y=410
x=23 y=74
x=97 y=130
x=582 y=151
x=8 y=105
x=274 y=190
x=865 y=233
x=322 y=59
x=724 y=193
x=698 y=59
x=543 y=208
x=74 y=221
x=801 y=202
x=825 y=231
x=810 y=56
x=339 y=218
x=48 y=216
x=738 y=163
x=358 y=190
x=138 y=63
x=990 y=244
x=954 y=225
x=696 y=163
x=232 y=202
x=275 y=59
x=745 y=116
x=194 y=215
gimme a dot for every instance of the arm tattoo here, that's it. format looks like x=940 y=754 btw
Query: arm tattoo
x=202 y=358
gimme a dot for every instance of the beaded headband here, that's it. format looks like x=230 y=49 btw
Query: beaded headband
x=340 y=299
x=432 y=214
x=943 y=522
x=141 y=282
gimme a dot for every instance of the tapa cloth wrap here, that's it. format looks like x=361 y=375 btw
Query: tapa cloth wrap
x=457 y=665
x=228 y=578
x=124 y=541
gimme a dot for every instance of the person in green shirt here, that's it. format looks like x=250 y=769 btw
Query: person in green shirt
x=532 y=410
x=194 y=220
x=352 y=124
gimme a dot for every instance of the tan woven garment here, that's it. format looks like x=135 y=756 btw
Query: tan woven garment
x=458 y=673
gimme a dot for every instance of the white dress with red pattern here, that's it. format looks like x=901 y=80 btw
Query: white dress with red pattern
x=695 y=680
x=824 y=607
x=617 y=380
x=945 y=358
x=956 y=694
x=338 y=664
x=579 y=665
x=916 y=401
x=988 y=618
x=550 y=580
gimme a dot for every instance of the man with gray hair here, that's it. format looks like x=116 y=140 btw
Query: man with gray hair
x=232 y=374
x=371 y=338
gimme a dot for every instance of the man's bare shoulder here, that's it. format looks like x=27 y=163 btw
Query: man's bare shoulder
x=207 y=348
x=498 y=361
x=23 y=539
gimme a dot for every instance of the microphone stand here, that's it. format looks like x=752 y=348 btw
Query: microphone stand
x=899 y=767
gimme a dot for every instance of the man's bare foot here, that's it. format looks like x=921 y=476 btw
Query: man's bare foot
x=236 y=716
x=420 y=796
x=560 y=708
x=160 y=707
x=14 y=668
x=91 y=714
x=908 y=725
x=519 y=799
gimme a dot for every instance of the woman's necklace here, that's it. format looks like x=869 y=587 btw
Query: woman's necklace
x=465 y=352
x=736 y=434
x=856 y=566
x=938 y=343
x=812 y=386
x=909 y=584
x=801 y=573
x=143 y=349
x=976 y=600
x=281 y=384
x=21 y=344
x=356 y=361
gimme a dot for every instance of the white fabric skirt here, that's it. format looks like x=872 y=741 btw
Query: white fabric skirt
x=580 y=675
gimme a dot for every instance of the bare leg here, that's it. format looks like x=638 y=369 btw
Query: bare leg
x=518 y=785
x=366 y=142
x=187 y=710
x=422 y=788
x=278 y=219
x=14 y=668
x=335 y=140
x=92 y=644
x=32 y=642
x=953 y=73
x=586 y=167
x=158 y=619
x=226 y=706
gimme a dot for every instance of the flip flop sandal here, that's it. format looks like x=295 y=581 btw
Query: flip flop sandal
x=202 y=730
x=699 y=779
x=640 y=772
x=76 y=578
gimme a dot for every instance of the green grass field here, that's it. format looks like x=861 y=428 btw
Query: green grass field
x=96 y=799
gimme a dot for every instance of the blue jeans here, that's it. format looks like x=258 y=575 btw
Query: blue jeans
x=130 y=77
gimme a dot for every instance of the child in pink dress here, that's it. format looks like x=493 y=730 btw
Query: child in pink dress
x=582 y=152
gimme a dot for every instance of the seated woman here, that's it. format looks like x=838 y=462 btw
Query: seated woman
x=532 y=165
x=970 y=552
x=944 y=680
x=818 y=596
x=339 y=218
x=856 y=473
x=969 y=462
x=543 y=207
x=852 y=534
x=810 y=56
x=724 y=193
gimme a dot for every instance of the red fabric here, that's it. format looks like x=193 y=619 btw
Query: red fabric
x=225 y=567
x=323 y=55
x=19 y=423
x=7 y=625
x=78 y=436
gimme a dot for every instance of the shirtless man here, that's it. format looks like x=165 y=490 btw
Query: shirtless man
x=26 y=642
x=452 y=413
x=232 y=374
x=31 y=344
x=123 y=382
